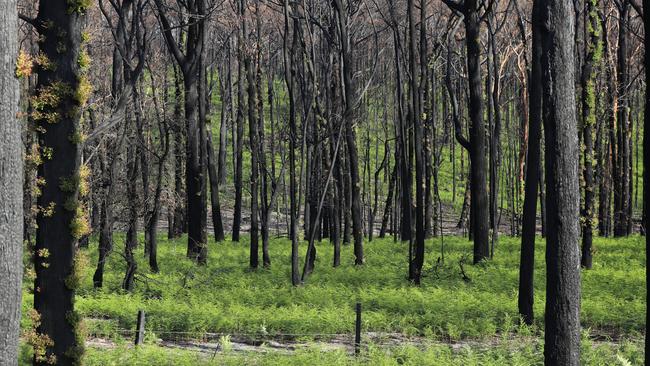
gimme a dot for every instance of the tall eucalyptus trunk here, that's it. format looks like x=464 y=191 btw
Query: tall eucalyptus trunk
x=11 y=189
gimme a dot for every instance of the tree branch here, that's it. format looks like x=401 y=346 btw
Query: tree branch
x=458 y=129
x=169 y=37
x=457 y=6
x=488 y=10
x=29 y=20
x=635 y=4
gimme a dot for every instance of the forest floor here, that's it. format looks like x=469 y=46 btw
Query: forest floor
x=343 y=343
x=378 y=349
x=225 y=313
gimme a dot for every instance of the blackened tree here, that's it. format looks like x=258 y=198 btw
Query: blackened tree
x=529 y=220
x=470 y=9
x=61 y=93
x=562 y=316
x=190 y=62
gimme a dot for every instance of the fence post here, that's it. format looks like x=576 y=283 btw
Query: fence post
x=139 y=332
x=357 y=333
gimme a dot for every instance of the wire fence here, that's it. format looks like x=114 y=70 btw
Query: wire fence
x=200 y=335
x=249 y=338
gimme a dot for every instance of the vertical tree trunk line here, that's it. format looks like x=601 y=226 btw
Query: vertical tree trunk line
x=562 y=314
x=476 y=146
x=289 y=76
x=350 y=115
x=622 y=179
x=529 y=220
x=253 y=136
x=191 y=63
x=239 y=136
x=11 y=189
x=58 y=232
x=593 y=51
x=646 y=171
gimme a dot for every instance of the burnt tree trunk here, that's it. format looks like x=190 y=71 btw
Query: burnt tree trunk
x=529 y=219
x=253 y=135
x=226 y=107
x=266 y=206
x=106 y=215
x=219 y=234
x=388 y=205
x=349 y=117
x=402 y=149
x=646 y=171
x=151 y=225
x=191 y=63
x=213 y=173
x=592 y=59
x=562 y=315
x=179 y=218
x=417 y=256
x=622 y=179
x=479 y=199
x=476 y=146
x=59 y=230
x=239 y=137
x=289 y=73
x=131 y=241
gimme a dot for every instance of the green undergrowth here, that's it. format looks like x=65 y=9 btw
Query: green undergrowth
x=527 y=352
x=185 y=301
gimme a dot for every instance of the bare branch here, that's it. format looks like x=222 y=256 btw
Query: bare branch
x=167 y=33
x=635 y=4
x=29 y=20
x=456 y=6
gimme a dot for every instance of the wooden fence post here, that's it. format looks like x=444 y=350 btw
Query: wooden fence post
x=139 y=332
x=357 y=335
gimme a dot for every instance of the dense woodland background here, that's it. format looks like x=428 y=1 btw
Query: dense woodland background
x=297 y=128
